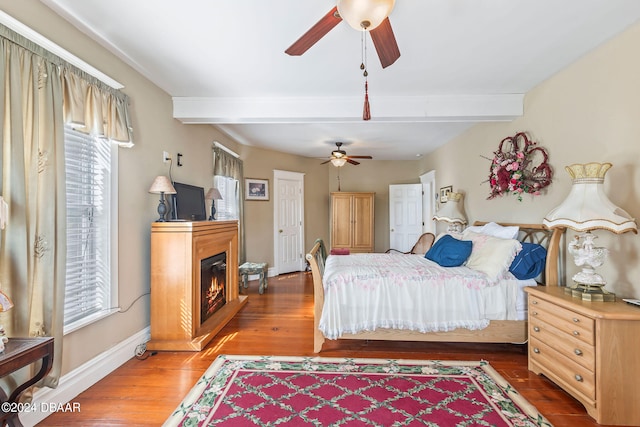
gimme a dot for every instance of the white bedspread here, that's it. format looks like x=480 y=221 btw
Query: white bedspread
x=368 y=291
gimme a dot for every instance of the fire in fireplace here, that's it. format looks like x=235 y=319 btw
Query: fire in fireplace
x=213 y=278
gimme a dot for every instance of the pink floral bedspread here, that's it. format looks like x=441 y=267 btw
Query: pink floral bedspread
x=363 y=292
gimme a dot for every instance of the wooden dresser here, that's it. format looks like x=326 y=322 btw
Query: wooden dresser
x=590 y=349
x=352 y=221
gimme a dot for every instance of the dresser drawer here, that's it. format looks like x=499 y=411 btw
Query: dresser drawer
x=572 y=323
x=567 y=373
x=571 y=347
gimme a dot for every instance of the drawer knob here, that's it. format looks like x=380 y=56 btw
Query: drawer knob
x=535 y=313
x=579 y=378
x=576 y=320
x=576 y=333
x=578 y=352
x=534 y=302
x=536 y=350
x=535 y=328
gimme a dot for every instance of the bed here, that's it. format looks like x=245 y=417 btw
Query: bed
x=393 y=294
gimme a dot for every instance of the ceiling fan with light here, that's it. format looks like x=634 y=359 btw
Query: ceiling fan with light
x=339 y=157
x=370 y=16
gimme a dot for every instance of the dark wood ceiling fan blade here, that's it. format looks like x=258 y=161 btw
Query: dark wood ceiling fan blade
x=353 y=162
x=315 y=33
x=325 y=162
x=360 y=157
x=385 y=42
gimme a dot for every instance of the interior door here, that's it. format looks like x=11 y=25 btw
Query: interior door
x=288 y=214
x=405 y=215
x=429 y=197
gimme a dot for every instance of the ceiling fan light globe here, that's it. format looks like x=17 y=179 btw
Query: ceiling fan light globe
x=365 y=14
x=338 y=162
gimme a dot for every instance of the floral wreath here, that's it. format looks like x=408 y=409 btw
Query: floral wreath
x=513 y=169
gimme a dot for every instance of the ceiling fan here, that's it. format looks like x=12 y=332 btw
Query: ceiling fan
x=363 y=15
x=339 y=157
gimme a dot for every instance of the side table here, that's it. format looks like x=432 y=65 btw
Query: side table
x=254 y=268
x=18 y=353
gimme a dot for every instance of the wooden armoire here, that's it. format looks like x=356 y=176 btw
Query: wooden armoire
x=352 y=221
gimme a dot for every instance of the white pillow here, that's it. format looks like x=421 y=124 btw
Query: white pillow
x=491 y=255
x=496 y=230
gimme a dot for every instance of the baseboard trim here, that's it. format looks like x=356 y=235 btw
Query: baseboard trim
x=83 y=377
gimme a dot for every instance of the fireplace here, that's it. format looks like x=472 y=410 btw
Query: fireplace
x=178 y=320
x=213 y=278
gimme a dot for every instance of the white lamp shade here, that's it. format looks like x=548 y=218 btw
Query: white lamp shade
x=452 y=211
x=162 y=184
x=213 y=194
x=365 y=14
x=587 y=207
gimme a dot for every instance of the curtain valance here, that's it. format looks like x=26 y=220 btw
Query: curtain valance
x=89 y=104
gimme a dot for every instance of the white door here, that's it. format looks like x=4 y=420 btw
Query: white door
x=429 y=195
x=288 y=221
x=405 y=215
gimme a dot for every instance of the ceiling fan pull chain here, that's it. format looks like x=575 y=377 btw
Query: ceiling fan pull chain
x=366 y=113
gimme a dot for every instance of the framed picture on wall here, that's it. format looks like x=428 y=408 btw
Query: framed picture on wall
x=444 y=193
x=256 y=189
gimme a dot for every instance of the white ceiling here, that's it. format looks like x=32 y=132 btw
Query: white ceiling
x=462 y=61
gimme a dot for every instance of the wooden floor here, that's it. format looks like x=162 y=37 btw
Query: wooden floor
x=280 y=322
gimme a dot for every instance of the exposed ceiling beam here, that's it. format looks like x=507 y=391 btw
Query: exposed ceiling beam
x=396 y=109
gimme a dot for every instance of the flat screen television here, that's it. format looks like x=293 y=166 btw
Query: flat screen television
x=188 y=203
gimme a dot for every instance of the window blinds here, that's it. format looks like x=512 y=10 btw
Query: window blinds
x=88 y=181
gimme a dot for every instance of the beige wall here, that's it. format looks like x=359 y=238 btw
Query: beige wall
x=587 y=112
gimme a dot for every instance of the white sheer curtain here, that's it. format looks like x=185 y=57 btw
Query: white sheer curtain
x=40 y=93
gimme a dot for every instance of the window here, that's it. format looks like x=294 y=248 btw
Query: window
x=91 y=281
x=228 y=206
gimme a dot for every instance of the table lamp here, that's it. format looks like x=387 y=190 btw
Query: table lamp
x=213 y=194
x=588 y=208
x=162 y=185
x=451 y=213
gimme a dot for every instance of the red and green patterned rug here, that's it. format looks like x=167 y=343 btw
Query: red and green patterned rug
x=317 y=391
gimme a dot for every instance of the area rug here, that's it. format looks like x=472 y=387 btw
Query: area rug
x=320 y=391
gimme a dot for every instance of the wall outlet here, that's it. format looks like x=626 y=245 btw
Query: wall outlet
x=165 y=156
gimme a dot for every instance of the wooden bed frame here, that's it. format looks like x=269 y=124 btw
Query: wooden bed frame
x=498 y=331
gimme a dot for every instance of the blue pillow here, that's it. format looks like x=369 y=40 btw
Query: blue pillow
x=449 y=251
x=529 y=262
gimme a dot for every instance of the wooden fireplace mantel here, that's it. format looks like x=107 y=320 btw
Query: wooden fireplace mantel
x=177 y=248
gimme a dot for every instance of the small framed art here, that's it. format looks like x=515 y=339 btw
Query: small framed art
x=256 y=189
x=444 y=192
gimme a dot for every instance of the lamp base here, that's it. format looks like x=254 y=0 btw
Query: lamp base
x=590 y=292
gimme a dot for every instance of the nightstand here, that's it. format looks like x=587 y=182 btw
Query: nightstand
x=589 y=349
